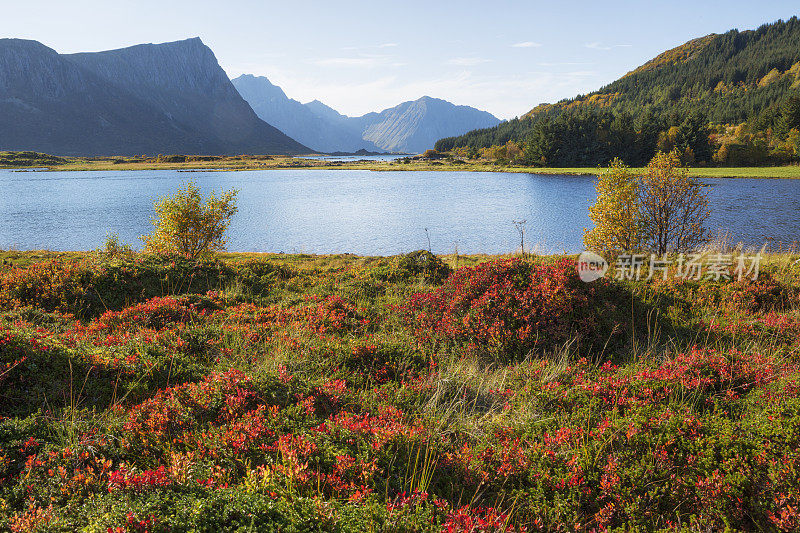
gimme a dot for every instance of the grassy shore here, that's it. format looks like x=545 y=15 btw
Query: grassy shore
x=40 y=161
x=271 y=392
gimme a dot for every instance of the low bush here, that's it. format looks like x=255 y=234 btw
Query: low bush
x=510 y=308
x=422 y=265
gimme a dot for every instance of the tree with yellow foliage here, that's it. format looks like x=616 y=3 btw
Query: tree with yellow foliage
x=673 y=206
x=617 y=224
x=187 y=225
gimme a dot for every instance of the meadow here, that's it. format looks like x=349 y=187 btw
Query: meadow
x=409 y=393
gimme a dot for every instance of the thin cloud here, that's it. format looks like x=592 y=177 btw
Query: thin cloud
x=360 y=61
x=368 y=47
x=346 y=62
x=601 y=46
x=563 y=63
x=467 y=61
x=526 y=44
x=582 y=73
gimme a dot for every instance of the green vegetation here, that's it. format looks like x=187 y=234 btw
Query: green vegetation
x=176 y=162
x=726 y=99
x=343 y=393
x=190 y=226
x=28 y=159
x=448 y=162
x=616 y=214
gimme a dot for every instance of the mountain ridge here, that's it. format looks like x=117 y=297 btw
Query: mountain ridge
x=411 y=126
x=296 y=120
x=45 y=98
x=150 y=98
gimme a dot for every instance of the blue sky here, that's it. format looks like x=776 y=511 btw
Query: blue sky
x=501 y=56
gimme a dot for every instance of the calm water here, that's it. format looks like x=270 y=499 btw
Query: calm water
x=352 y=158
x=325 y=211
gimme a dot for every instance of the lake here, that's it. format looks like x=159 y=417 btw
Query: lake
x=355 y=158
x=363 y=212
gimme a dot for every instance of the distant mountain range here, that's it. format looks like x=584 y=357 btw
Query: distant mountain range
x=408 y=127
x=318 y=128
x=175 y=98
x=146 y=99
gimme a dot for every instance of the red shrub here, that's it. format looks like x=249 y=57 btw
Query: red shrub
x=155 y=314
x=507 y=307
x=171 y=412
x=49 y=285
x=476 y=520
x=127 y=479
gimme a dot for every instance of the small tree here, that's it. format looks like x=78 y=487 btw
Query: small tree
x=673 y=206
x=114 y=247
x=189 y=226
x=617 y=222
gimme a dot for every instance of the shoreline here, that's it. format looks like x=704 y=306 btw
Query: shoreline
x=247 y=163
x=24 y=257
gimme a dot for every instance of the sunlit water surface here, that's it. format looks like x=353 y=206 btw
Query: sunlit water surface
x=363 y=212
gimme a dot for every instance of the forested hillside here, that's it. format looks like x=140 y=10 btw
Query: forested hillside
x=721 y=99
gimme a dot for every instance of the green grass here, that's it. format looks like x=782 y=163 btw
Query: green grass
x=28 y=159
x=13 y=160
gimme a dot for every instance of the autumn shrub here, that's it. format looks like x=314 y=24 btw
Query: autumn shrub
x=746 y=295
x=120 y=284
x=49 y=372
x=49 y=285
x=377 y=363
x=766 y=293
x=189 y=225
x=615 y=214
x=258 y=277
x=34 y=366
x=662 y=210
x=114 y=248
x=90 y=287
x=156 y=314
x=509 y=308
x=421 y=264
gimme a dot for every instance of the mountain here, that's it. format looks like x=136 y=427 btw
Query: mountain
x=318 y=130
x=416 y=126
x=165 y=98
x=51 y=105
x=409 y=127
x=723 y=79
x=325 y=111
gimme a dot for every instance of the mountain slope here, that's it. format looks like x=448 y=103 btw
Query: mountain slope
x=408 y=127
x=416 y=126
x=183 y=80
x=171 y=98
x=51 y=105
x=722 y=79
x=325 y=111
x=297 y=120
